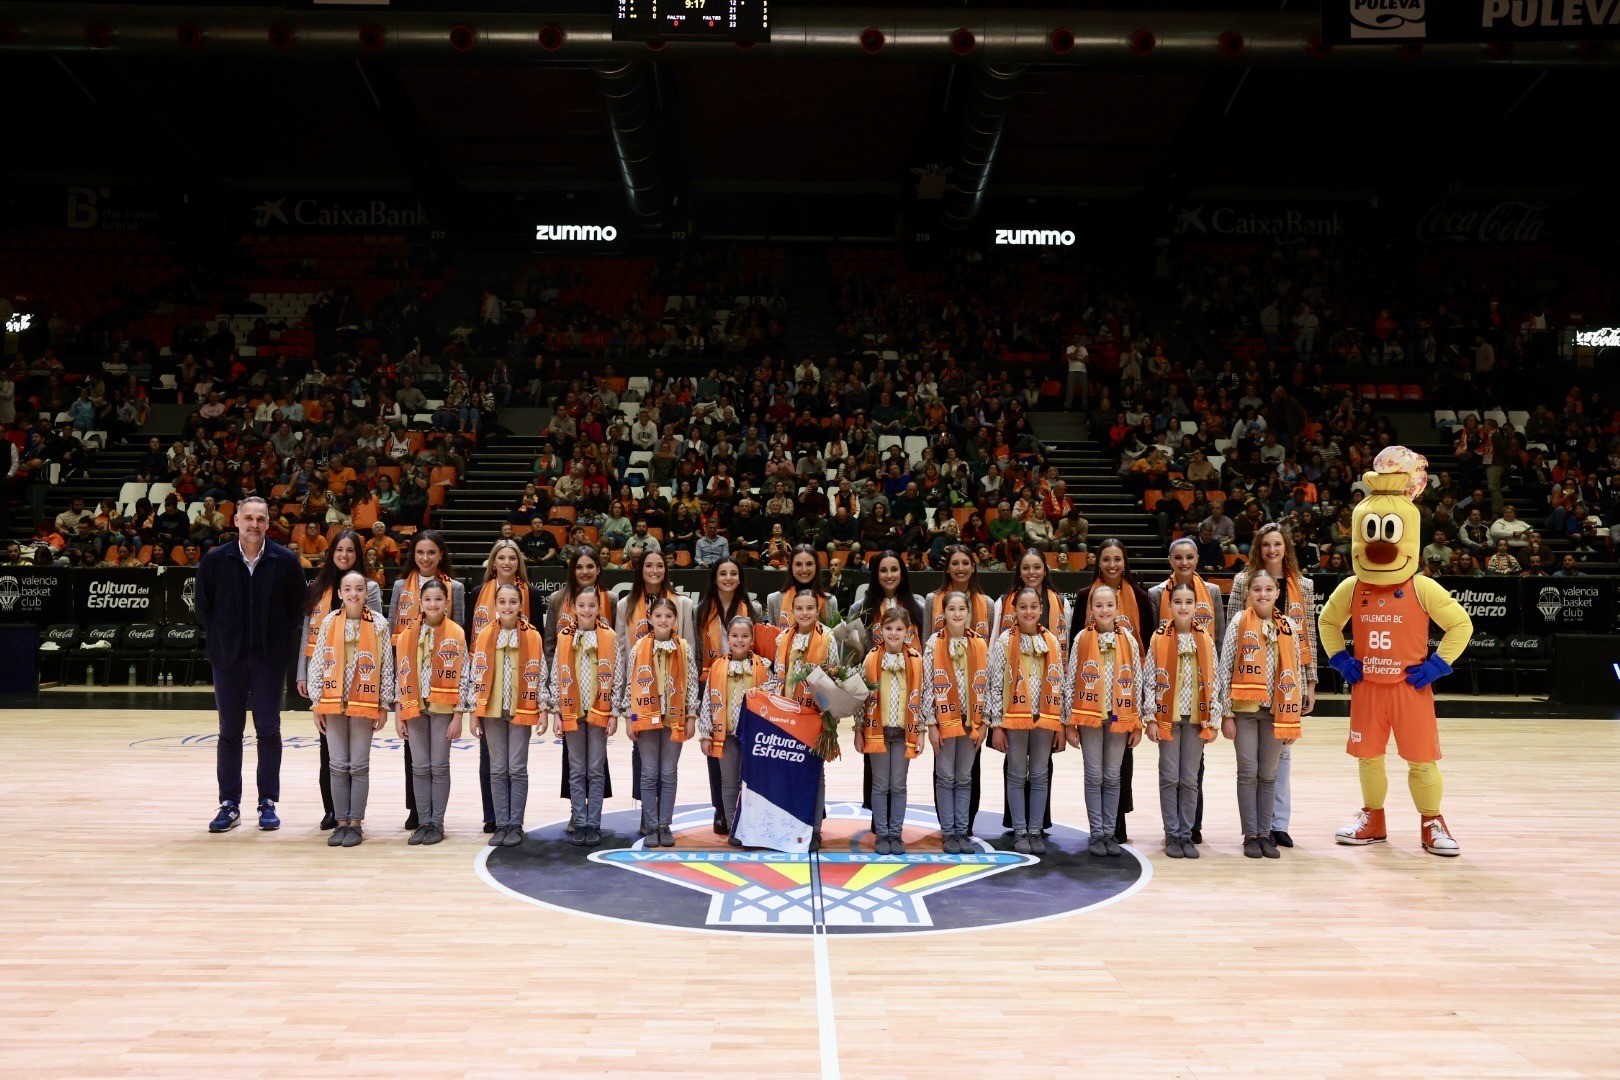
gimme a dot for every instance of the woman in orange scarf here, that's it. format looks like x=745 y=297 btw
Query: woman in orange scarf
x=1259 y=694
x=658 y=690
x=955 y=682
x=1178 y=681
x=1101 y=687
x=351 y=679
x=503 y=690
x=429 y=660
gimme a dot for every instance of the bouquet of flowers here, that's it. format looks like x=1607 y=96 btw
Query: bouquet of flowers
x=840 y=689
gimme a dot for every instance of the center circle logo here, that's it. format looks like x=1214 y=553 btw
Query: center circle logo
x=845 y=888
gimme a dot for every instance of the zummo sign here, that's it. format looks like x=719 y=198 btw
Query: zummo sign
x=600 y=234
x=1035 y=237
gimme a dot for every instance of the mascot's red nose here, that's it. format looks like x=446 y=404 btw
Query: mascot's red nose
x=1381 y=552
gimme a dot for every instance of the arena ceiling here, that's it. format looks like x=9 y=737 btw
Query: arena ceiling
x=830 y=125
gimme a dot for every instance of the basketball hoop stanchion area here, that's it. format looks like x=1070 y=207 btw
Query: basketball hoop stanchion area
x=845 y=888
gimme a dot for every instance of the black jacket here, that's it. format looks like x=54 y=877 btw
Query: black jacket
x=244 y=613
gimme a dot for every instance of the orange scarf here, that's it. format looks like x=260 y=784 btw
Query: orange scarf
x=875 y=623
x=648 y=706
x=1167 y=661
x=712 y=640
x=1296 y=601
x=484 y=610
x=1089 y=708
x=784 y=617
x=1017 y=713
x=409 y=612
x=1054 y=607
x=364 y=697
x=569 y=706
x=1204 y=605
x=978 y=612
x=315 y=618
x=815 y=654
x=1249 y=671
x=719 y=680
x=444 y=681
x=527 y=700
x=872 y=728
x=1127 y=610
x=954 y=716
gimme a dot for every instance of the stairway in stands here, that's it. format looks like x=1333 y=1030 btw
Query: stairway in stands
x=1112 y=509
x=474 y=509
x=102 y=480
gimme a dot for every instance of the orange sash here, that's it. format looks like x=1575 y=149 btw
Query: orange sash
x=1167 y=662
x=409 y=612
x=1249 y=672
x=712 y=641
x=527 y=698
x=648 y=708
x=719 y=678
x=484 y=610
x=1017 y=712
x=1204 y=605
x=569 y=706
x=364 y=696
x=1089 y=709
x=815 y=654
x=444 y=681
x=954 y=717
x=1054 y=606
x=316 y=617
x=872 y=727
x=978 y=612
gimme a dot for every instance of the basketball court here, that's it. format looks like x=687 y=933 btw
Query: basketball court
x=139 y=945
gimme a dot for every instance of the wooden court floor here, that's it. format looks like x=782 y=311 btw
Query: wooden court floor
x=135 y=944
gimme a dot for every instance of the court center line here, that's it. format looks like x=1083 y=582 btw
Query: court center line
x=826 y=1021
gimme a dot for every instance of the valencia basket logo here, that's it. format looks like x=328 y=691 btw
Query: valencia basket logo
x=845 y=888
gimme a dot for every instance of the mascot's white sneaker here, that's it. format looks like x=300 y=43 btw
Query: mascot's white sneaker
x=1437 y=838
x=1368 y=828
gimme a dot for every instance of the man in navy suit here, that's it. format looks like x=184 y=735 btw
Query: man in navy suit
x=250 y=600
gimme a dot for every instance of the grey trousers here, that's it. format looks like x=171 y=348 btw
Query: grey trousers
x=348 y=744
x=429 y=739
x=1281 y=808
x=731 y=779
x=587 y=774
x=889 y=768
x=508 y=769
x=953 y=785
x=1258 y=752
x=1104 y=751
x=660 y=758
x=1029 y=761
x=1179 y=760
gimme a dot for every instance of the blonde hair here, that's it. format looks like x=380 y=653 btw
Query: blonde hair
x=522 y=567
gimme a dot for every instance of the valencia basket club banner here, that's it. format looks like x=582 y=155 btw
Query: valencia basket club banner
x=781 y=774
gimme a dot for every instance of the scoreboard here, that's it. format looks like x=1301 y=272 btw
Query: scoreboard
x=692 y=20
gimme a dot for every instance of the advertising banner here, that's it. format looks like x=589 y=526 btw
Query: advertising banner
x=118 y=595
x=1401 y=22
x=37 y=595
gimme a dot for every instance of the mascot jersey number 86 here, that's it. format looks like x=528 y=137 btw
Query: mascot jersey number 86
x=1387 y=662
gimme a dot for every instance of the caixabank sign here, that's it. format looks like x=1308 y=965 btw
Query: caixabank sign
x=1368 y=22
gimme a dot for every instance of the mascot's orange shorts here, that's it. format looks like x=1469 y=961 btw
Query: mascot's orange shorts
x=1376 y=709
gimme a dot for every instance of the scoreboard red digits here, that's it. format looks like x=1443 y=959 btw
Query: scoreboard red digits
x=692 y=20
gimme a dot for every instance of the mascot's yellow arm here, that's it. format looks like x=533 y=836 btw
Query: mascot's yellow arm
x=1446 y=613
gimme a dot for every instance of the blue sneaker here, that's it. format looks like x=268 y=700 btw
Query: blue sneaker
x=228 y=818
x=268 y=821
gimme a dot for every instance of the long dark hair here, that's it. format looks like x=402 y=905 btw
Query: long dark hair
x=872 y=606
x=788 y=581
x=436 y=538
x=570 y=586
x=329 y=577
x=973 y=588
x=741 y=603
x=1082 y=597
x=638 y=584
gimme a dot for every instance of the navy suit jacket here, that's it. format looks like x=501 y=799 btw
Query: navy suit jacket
x=246 y=613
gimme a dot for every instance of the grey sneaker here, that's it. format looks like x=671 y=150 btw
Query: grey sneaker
x=352 y=836
x=665 y=836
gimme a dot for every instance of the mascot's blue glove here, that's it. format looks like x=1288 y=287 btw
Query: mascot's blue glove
x=1346 y=665
x=1420 y=675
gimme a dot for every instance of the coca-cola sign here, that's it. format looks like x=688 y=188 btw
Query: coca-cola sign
x=1603 y=337
x=1511 y=221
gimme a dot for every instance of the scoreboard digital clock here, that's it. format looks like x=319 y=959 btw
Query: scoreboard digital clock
x=692 y=20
